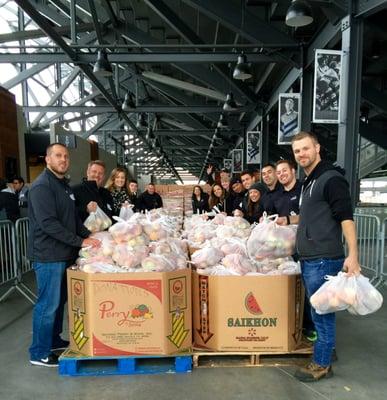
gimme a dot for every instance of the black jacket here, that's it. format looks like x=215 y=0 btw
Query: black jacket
x=9 y=203
x=266 y=199
x=134 y=200
x=284 y=202
x=56 y=232
x=88 y=191
x=254 y=214
x=200 y=206
x=149 y=201
x=325 y=202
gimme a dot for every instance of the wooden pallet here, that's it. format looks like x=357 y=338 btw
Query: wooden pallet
x=209 y=359
x=76 y=364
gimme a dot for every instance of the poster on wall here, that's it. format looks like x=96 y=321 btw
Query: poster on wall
x=326 y=96
x=289 y=116
x=253 y=147
x=227 y=164
x=237 y=161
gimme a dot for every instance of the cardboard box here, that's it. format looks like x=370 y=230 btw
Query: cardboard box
x=130 y=313
x=247 y=313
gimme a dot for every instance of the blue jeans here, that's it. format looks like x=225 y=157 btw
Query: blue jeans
x=313 y=273
x=48 y=311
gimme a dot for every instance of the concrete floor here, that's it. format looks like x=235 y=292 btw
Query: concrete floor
x=360 y=373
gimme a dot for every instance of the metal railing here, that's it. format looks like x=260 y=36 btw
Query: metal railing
x=368 y=240
x=371 y=242
x=383 y=252
x=13 y=260
x=24 y=265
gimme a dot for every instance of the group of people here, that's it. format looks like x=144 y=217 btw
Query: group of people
x=321 y=206
x=118 y=192
x=244 y=196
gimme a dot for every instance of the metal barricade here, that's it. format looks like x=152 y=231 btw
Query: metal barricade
x=369 y=242
x=24 y=265
x=383 y=252
x=12 y=251
x=8 y=262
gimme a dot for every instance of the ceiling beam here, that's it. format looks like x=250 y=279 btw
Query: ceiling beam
x=38 y=33
x=122 y=58
x=201 y=109
x=74 y=73
x=25 y=74
x=43 y=24
x=229 y=14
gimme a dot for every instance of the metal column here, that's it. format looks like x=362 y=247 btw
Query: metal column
x=348 y=132
x=265 y=139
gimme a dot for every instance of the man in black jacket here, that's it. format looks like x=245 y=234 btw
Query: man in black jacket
x=90 y=193
x=55 y=236
x=150 y=199
x=325 y=215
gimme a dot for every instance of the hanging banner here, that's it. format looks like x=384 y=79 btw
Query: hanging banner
x=237 y=161
x=253 y=147
x=227 y=164
x=326 y=97
x=289 y=116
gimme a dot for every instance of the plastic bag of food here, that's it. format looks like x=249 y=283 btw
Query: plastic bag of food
x=100 y=267
x=97 y=221
x=234 y=246
x=157 y=263
x=367 y=299
x=237 y=222
x=126 y=211
x=336 y=294
x=206 y=257
x=155 y=230
x=123 y=231
x=127 y=257
x=270 y=240
x=217 y=270
x=238 y=264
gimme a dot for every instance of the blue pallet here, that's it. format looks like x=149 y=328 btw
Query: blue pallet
x=123 y=365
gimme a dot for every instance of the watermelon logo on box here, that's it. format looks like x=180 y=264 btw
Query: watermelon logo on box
x=252 y=305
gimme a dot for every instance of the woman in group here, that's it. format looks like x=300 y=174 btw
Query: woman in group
x=254 y=206
x=199 y=200
x=118 y=186
x=217 y=200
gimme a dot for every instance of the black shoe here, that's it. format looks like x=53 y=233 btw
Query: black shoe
x=313 y=372
x=50 y=361
x=60 y=345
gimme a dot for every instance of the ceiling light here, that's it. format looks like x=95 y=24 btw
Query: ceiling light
x=140 y=121
x=128 y=103
x=242 y=69
x=229 y=104
x=222 y=123
x=299 y=14
x=150 y=134
x=102 y=67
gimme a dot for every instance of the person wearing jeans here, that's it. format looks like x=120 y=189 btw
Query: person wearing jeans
x=325 y=216
x=313 y=275
x=55 y=236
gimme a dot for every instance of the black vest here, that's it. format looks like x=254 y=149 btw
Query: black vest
x=319 y=235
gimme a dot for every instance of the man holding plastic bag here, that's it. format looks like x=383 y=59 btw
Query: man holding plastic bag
x=90 y=193
x=55 y=236
x=325 y=215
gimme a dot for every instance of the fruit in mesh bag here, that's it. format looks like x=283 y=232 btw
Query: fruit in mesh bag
x=206 y=257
